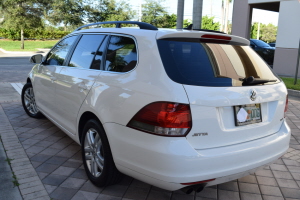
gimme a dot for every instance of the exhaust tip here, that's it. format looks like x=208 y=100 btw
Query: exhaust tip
x=197 y=188
x=187 y=190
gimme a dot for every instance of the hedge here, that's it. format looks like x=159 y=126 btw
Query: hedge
x=35 y=34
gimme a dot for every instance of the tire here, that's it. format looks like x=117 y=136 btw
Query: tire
x=28 y=102
x=96 y=155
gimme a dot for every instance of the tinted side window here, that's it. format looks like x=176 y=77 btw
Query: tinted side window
x=96 y=64
x=58 y=54
x=85 y=51
x=121 y=54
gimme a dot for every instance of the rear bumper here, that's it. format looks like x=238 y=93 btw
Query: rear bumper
x=166 y=162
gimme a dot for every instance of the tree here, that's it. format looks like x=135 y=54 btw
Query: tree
x=168 y=21
x=153 y=13
x=67 y=12
x=254 y=29
x=109 y=10
x=23 y=14
x=208 y=23
x=187 y=22
x=268 y=33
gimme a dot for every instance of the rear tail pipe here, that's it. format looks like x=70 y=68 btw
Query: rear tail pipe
x=197 y=188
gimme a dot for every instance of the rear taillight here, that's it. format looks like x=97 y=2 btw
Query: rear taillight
x=163 y=118
x=286 y=105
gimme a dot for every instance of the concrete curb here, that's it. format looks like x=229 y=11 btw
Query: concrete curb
x=8 y=187
x=31 y=186
x=17 y=52
x=41 y=51
x=294 y=93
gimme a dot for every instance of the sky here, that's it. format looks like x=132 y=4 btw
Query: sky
x=212 y=8
x=265 y=17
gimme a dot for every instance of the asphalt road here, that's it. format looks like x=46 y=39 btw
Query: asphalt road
x=14 y=68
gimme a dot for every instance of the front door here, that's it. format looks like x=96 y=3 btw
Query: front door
x=46 y=76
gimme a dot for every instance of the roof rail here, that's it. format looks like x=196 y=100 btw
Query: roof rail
x=190 y=27
x=142 y=25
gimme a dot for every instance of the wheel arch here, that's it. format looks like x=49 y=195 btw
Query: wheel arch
x=83 y=119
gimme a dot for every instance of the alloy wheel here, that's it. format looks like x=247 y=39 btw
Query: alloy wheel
x=29 y=100
x=93 y=151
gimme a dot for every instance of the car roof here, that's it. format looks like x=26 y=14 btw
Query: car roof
x=162 y=33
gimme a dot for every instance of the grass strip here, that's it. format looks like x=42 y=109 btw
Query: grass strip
x=289 y=82
x=29 y=45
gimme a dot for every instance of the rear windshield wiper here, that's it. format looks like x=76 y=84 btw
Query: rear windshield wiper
x=255 y=81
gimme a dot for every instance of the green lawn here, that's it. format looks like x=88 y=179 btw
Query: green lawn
x=289 y=82
x=10 y=45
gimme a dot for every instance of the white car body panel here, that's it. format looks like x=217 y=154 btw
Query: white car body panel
x=226 y=153
x=173 y=33
x=44 y=87
x=212 y=113
x=72 y=86
x=126 y=93
x=155 y=156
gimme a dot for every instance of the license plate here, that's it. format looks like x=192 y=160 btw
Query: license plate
x=247 y=114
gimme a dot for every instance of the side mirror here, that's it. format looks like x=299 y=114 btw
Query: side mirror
x=37 y=58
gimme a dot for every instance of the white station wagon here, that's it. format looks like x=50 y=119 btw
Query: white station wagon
x=178 y=109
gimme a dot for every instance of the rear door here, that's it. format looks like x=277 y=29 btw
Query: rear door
x=76 y=79
x=226 y=109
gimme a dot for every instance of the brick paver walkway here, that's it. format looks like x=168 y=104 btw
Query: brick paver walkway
x=48 y=165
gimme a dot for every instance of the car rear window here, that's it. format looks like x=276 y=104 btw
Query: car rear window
x=209 y=64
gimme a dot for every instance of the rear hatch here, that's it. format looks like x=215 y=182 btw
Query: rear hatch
x=234 y=96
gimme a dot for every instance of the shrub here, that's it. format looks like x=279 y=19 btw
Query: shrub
x=35 y=34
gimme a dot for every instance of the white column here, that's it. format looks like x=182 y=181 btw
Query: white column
x=241 y=19
x=180 y=13
x=287 y=41
x=197 y=13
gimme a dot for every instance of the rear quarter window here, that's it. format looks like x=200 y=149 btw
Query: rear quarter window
x=121 y=55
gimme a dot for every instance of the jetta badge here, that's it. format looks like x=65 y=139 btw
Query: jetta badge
x=253 y=95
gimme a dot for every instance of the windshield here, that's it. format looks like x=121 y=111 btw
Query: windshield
x=210 y=64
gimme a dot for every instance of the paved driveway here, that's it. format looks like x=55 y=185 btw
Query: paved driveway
x=14 y=69
x=57 y=163
x=47 y=164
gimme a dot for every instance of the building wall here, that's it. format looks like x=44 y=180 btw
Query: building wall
x=288 y=33
x=285 y=61
x=262 y=1
x=241 y=19
x=288 y=36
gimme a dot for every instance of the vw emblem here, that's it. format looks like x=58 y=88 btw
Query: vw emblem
x=252 y=95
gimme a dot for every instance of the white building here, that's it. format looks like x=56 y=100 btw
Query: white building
x=288 y=34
